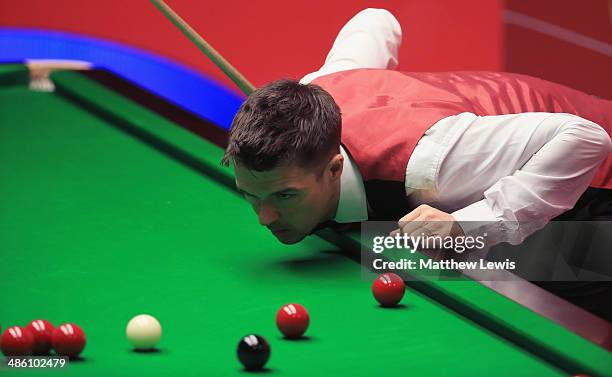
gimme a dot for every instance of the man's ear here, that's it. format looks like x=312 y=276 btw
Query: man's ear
x=335 y=166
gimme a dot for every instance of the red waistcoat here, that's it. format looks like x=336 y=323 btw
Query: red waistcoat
x=385 y=113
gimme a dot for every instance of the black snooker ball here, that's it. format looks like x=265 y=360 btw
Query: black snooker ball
x=253 y=352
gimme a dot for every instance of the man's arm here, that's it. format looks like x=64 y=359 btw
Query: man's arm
x=370 y=39
x=510 y=173
x=560 y=154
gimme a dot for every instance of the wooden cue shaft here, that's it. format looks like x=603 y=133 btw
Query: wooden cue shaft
x=205 y=47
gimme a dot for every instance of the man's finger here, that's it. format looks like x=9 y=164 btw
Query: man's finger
x=411 y=227
x=412 y=215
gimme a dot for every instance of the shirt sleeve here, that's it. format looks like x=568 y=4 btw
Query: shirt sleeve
x=371 y=39
x=554 y=160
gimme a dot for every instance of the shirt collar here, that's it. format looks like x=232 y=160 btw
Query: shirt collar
x=352 y=206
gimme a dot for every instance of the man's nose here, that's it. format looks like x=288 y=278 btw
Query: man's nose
x=267 y=214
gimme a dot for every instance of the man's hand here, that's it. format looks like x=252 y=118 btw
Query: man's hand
x=430 y=221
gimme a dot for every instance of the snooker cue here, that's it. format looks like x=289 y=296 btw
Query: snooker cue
x=205 y=47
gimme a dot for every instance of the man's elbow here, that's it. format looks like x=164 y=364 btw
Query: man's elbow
x=383 y=19
x=593 y=135
x=602 y=139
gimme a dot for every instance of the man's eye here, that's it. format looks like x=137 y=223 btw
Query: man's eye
x=285 y=196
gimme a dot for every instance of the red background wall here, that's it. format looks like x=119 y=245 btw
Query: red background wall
x=553 y=58
x=266 y=40
x=269 y=39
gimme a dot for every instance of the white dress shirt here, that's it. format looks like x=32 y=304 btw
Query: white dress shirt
x=510 y=173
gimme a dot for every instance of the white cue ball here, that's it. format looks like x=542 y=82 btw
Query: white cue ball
x=143 y=331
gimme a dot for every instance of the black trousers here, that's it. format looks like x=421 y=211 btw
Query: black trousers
x=596 y=296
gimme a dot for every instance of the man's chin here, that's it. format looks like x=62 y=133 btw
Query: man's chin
x=289 y=238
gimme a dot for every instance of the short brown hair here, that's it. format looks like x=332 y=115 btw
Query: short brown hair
x=284 y=122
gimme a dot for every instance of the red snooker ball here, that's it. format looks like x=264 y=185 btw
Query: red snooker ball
x=292 y=320
x=42 y=331
x=68 y=340
x=388 y=289
x=17 y=341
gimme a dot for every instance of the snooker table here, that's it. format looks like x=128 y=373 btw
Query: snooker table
x=111 y=207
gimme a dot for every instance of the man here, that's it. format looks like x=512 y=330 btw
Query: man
x=368 y=142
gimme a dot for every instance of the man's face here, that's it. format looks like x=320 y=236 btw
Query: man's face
x=290 y=200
